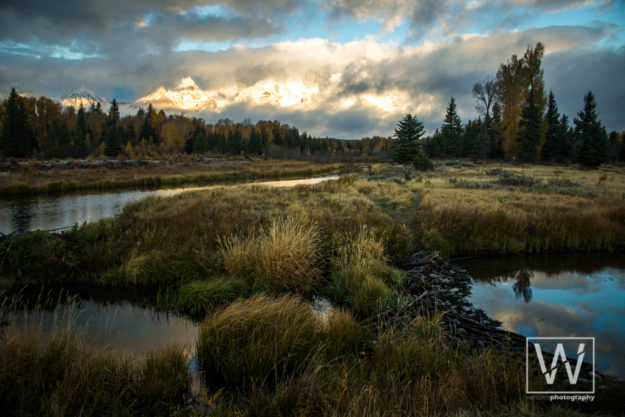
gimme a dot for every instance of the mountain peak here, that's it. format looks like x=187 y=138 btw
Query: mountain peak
x=80 y=96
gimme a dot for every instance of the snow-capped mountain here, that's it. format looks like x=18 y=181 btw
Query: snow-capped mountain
x=81 y=96
x=186 y=96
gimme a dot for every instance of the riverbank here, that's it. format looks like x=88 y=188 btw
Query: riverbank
x=48 y=177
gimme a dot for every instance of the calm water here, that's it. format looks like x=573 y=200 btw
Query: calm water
x=44 y=212
x=558 y=295
x=121 y=325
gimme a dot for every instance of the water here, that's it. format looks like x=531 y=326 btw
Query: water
x=46 y=212
x=559 y=296
x=124 y=327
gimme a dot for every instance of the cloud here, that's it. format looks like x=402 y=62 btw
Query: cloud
x=445 y=17
x=348 y=89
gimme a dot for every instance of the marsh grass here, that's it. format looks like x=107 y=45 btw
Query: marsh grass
x=281 y=257
x=417 y=372
x=198 y=298
x=361 y=279
x=52 y=371
x=257 y=339
x=184 y=171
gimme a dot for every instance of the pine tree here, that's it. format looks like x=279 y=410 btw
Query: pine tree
x=622 y=152
x=256 y=147
x=530 y=128
x=451 y=131
x=81 y=132
x=590 y=135
x=112 y=135
x=495 y=133
x=18 y=135
x=566 y=147
x=553 y=135
x=407 y=133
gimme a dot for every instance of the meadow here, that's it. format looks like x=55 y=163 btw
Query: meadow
x=37 y=177
x=247 y=261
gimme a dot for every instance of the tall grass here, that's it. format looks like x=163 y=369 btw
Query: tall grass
x=256 y=339
x=55 y=373
x=419 y=372
x=280 y=257
x=360 y=278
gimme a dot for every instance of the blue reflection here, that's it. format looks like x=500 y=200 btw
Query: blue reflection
x=583 y=299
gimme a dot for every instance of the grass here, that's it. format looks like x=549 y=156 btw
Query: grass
x=174 y=172
x=247 y=259
x=420 y=372
x=280 y=257
x=54 y=373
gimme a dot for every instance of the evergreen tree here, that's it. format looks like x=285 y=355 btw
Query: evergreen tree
x=566 y=149
x=451 y=132
x=18 y=135
x=622 y=152
x=433 y=145
x=475 y=142
x=615 y=145
x=82 y=129
x=590 y=135
x=235 y=142
x=553 y=135
x=199 y=140
x=407 y=133
x=112 y=134
x=256 y=146
x=495 y=133
x=147 y=131
x=531 y=128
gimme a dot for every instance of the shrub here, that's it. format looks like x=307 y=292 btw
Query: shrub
x=421 y=162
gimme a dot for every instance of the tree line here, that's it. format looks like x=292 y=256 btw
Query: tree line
x=42 y=128
x=519 y=122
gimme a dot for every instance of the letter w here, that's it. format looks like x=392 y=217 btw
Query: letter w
x=550 y=375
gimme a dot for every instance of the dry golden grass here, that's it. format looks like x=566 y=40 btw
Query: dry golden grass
x=176 y=171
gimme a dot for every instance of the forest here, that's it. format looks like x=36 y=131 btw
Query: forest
x=517 y=122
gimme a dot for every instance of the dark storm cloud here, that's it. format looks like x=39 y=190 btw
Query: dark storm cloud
x=572 y=74
x=133 y=27
x=102 y=14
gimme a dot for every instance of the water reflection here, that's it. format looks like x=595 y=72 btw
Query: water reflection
x=558 y=296
x=124 y=327
x=522 y=286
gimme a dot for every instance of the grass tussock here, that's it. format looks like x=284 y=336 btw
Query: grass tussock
x=281 y=257
x=361 y=279
x=257 y=339
x=200 y=297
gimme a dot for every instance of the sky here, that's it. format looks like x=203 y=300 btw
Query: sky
x=338 y=68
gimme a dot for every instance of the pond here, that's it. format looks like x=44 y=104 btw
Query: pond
x=557 y=296
x=47 y=212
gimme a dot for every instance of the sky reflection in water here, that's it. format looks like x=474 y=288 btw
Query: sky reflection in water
x=558 y=295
